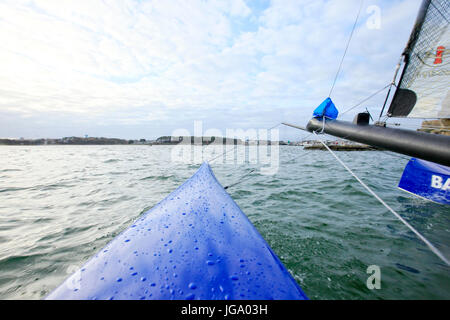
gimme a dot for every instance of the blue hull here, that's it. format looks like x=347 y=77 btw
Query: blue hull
x=195 y=244
x=427 y=180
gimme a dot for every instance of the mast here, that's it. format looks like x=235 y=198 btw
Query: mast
x=417 y=27
x=422 y=91
x=404 y=58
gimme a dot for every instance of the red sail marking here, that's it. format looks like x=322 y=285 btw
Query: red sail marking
x=439 y=55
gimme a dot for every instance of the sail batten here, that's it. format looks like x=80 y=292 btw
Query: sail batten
x=423 y=89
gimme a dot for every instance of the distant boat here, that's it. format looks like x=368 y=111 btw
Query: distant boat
x=339 y=146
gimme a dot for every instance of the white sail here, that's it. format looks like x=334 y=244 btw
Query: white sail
x=424 y=88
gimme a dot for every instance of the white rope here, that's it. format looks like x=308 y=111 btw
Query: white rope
x=346 y=49
x=421 y=237
x=235 y=146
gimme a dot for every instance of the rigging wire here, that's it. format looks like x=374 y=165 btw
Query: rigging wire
x=420 y=236
x=235 y=146
x=221 y=155
x=241 y=179
x=397 y=69
x=366 y=99
x=247 y=175
x=346 y=49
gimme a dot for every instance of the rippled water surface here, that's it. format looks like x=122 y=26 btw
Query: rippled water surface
x=59 y=205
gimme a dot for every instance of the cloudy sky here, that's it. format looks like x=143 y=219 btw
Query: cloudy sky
x=142 y=69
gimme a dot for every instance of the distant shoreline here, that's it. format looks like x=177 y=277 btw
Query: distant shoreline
x=172 y=141
x=165 y=140
x=65 y=141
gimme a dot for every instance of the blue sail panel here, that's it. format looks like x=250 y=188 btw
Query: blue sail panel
x=194 y=244
x=427 y=180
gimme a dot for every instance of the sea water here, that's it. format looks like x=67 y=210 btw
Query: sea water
x=59 y=205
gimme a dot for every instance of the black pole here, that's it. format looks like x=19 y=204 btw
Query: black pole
x=426 y=146
x=406 y=55
x=385 y=102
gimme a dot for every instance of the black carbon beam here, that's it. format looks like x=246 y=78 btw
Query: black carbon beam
x=426 y=146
